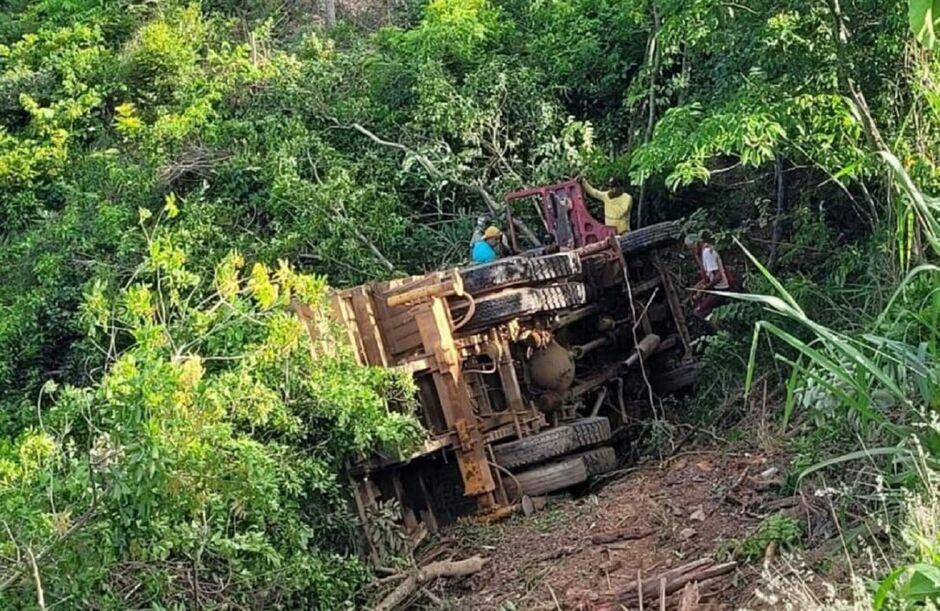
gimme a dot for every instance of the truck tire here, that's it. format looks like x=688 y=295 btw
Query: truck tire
x=515 y=303
x=675 y=380
x=548 y=478
x=519 y=270
x=649 y=238
x=599 y=460
x=535 y=448
x=589 y=431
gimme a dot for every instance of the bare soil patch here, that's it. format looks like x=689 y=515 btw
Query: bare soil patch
x=640 y=523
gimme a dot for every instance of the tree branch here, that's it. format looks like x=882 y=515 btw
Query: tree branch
x=75 y=527
x=494 y=207
x=416 y=579
x=40 y=595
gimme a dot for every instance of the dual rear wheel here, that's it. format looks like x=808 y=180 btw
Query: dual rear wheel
x=562 y=466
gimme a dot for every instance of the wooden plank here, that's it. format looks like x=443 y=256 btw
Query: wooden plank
x=395 y=283
x=344 y=316
x=395 y=318
x=373 y=344
x=412 y=283
x=646 y=285
x=377 y=462
x=405 y=343
x=427 y=515
x=408 y=515
x=415 y=364
x=672 y=298
x=361 y=509
x=405 y=329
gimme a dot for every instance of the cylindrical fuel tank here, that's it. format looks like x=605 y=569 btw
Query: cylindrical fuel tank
x=551 y=368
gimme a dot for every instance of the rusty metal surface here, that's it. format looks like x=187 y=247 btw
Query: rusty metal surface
x=564 y=214
x=434 y=324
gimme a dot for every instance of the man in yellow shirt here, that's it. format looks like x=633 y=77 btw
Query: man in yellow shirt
x=617 y=204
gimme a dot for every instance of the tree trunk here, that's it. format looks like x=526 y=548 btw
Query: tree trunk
x=329 y=12
x=781 y=213
x=651 y=106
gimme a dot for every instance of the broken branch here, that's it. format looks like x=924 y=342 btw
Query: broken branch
x=624 y=534
x=432 y=169
x=671 y=582
x=417 y=578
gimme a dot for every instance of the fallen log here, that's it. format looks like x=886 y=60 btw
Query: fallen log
x=557 y=553
x=668 y=582
x=419 y=577
x=672 y=585
x=624 y=534
x=581 y=597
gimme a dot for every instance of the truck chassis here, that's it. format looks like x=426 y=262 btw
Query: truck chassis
x=524 y=367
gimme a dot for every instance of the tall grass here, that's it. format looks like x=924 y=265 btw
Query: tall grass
x=886 y=383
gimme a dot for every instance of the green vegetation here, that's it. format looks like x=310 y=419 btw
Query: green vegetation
x=171 y=437
x=778 y=530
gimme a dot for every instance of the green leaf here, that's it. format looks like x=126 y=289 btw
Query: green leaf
x=859 y=454
x=923 y=584
x=884 y=588
x=925 y=19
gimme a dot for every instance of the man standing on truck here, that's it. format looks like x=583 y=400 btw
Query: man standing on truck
x=486 y=249
x=617 y=204
x=713 y=276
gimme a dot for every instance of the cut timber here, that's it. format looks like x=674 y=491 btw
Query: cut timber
x=624 y=534
x=673 y=583
x=371 y=336
x=668 y=582
x=416 y=579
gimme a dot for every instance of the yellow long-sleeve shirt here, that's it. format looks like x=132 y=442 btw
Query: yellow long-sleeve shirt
x=616 y=209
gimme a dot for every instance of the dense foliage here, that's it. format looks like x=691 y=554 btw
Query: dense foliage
x=169 y=434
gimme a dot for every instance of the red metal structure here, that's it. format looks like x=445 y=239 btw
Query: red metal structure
x=563 y=212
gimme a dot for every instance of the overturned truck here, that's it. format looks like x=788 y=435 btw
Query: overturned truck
x=527 y=367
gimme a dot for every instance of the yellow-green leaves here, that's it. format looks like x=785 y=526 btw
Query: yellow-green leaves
x=95 y=308
x=126 y=119
x=138 y=304
x=170 y=206
x=191 y=372
x=169 y=260
x=262 y=289
x=226 y=275
x=35 y=449
x=925 y=21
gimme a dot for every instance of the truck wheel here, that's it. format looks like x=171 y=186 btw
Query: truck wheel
x=648 y=238
x=599 y=460
x=535 y=448
x=675 y=380
x=547 y=478
x=518 y=270
x=515 y=303
x=589 y=431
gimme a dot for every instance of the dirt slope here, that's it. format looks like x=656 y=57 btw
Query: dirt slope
x=689 y=507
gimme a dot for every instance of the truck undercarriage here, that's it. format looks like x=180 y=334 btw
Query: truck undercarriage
x=527 y=369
